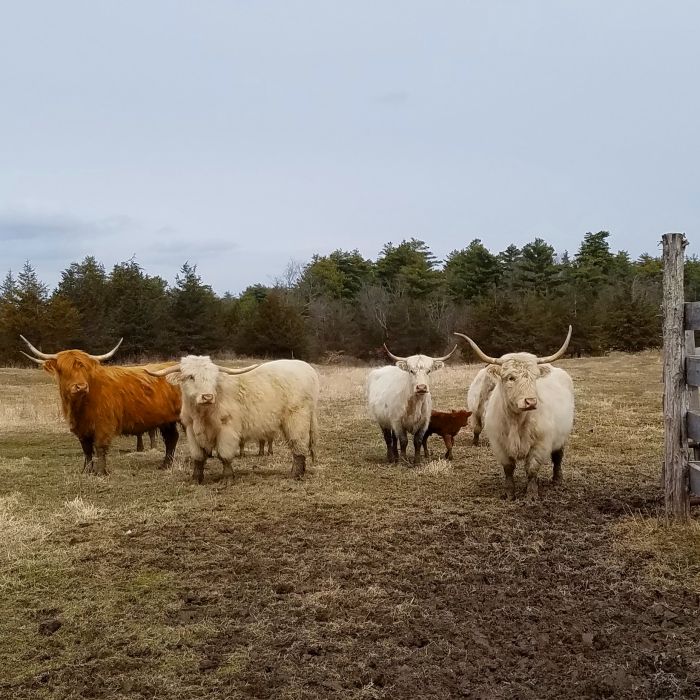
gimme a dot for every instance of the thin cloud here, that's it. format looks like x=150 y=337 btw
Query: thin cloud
x=392 y=97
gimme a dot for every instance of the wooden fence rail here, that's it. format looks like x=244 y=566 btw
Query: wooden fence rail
x=681 y=375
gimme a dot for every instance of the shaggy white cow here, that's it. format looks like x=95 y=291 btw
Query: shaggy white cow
x=529 y=414
x=477 y=397
x=220 y=408
x=399 y=400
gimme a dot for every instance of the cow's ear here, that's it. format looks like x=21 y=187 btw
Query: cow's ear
x=545 y=370
x=50 y=366
x=174 y=378
x=438 y=364
x=402 y=364
x=494 y=371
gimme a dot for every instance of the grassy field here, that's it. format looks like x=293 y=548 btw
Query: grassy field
x=363 y=580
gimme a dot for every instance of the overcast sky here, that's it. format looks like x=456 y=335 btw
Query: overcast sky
x=240 y=134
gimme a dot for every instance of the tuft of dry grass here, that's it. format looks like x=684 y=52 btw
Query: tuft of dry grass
x=83 y=513
x=21 y=533
x=668 y=554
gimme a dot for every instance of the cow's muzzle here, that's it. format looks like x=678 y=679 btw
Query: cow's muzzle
x=79 y=388
x=422 y=389
x=205 y=399
x=528 y=404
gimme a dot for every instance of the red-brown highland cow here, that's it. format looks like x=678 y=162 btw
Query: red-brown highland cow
x=101 y=402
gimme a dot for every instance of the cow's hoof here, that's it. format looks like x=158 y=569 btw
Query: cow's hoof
x=226 y=481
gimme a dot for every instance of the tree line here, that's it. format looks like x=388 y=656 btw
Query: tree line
x=344 y=304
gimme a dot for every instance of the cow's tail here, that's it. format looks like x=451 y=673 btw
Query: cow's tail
x=313 y=432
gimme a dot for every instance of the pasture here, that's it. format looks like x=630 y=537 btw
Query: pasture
x=364 y=580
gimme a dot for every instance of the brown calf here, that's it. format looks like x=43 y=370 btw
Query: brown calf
x=446 y=424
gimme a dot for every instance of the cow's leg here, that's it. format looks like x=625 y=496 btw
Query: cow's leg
x=170 y=438
x=532 y=467
x=152 y=436
x=197 y=454
x=101 y=466
x=139 y=442
x=269 y=447
x=402 y=436
x=425 y=445
x=198 y=470
x=449 y=442
x=476 y=427
x=261 y=448
x=241 y=447
x=394 y=447
x=417 y=442
x=508 y=470
x=389 y=439
x=227 y=475
x=296 y=430
x=557 y=457
x=87 y=444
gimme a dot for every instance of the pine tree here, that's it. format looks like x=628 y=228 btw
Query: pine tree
x=472 y=272
x=197 y=313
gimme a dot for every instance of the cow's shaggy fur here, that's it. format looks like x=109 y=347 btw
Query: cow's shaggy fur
x=220 y=410
x=477 y=397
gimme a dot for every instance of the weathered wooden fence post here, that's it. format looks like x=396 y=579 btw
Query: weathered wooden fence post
x=675 y=405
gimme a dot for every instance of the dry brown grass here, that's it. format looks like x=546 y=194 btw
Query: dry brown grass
x=364 y=580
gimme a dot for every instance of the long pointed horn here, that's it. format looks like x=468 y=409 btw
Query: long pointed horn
x=488 y=360
x=237 y=370
x=449 y=354
x=558 y=353
x=33 y=359
x=109 y=354
x=38 y=353
x=395 y=358
x=163 y=372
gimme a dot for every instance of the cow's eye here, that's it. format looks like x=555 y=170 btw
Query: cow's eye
x=511 y=378
x=189 y=378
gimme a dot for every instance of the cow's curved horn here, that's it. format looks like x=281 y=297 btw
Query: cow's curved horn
x=33 y=359
x=38 y=353
x=449 y=354
x=558 y=353
x=163 y=372
x=488 y=360
x=237 y=370
x=109 y=354
x=395 y=358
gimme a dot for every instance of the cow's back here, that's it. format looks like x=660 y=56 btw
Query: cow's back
x=134 y=401
x=261 y=401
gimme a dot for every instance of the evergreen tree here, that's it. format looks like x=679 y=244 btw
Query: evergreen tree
x=536 y=270
x=408 y=267
x=86 y=287
x=472 y=272
x=197 y=313
x=138 y=311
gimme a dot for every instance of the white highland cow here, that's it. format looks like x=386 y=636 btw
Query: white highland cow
x=529 y=414
x=477 y=397
x=222 y=406
x=398 y=397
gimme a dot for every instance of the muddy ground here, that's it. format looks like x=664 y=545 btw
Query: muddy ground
x=364 y=580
